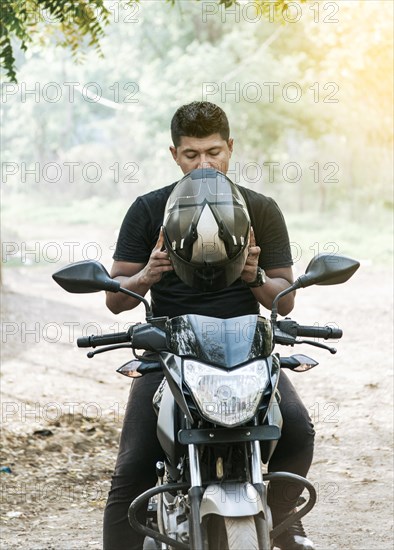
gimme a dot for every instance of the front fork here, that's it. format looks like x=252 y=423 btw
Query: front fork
x=195 y=493
x=196 y=490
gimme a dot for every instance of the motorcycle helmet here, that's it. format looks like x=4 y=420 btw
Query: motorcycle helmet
x=206 y=230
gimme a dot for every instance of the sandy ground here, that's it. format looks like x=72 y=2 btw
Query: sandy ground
x=62 y=412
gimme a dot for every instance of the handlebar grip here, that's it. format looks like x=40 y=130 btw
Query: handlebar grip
x=336 y=333
x=104 y=340
x=319 y=332
x=84 y=342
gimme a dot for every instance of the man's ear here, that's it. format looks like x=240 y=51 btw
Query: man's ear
x=174 y=153
x=230 y=144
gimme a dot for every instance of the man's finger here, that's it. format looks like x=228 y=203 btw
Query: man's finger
x=252 y=238
x=160 y=241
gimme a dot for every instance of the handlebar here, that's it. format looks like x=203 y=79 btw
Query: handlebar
x=147 y=336
x=287 y=330
x=103 y=340
x=319 y=332
x=152 y=337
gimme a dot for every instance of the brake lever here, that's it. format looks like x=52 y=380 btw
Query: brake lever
x=317 y=344
x=107 y=348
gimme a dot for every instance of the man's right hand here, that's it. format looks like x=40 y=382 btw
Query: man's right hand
x=138 y=277
x=159 y=263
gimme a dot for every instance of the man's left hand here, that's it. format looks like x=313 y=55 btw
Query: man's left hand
x=249 y=271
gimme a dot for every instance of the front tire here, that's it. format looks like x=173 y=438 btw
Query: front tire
x=226 y=533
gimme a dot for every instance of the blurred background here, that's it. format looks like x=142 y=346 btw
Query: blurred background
x=308 y=93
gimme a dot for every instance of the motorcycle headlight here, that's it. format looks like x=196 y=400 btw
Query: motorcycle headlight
x=226 y=398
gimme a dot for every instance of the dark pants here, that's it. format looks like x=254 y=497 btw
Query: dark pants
x=139 y=451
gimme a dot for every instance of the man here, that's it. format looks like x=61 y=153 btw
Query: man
x=201 y=139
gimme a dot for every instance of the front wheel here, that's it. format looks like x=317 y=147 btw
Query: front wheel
x=226 y=533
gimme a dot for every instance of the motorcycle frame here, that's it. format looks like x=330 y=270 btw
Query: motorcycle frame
x=196 y=489
x=195 y=496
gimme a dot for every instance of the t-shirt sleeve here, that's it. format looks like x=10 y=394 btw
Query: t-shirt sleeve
x=135 y=236
x=272 y=237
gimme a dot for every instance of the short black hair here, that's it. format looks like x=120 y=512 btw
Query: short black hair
x=199 y=119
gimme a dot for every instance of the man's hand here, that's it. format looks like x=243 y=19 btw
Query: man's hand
x=249 y=271
x=158 y=263
x=277 y=279
x=138 y=277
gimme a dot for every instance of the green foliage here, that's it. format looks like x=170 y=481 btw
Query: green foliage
x=66 y=23
x=12 y=22
x=70 y=24
x=168 y=58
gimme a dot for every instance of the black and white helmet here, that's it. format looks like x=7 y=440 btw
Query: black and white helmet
x=206 y=230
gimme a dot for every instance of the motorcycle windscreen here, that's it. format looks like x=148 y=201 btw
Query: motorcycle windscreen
x=223 y=342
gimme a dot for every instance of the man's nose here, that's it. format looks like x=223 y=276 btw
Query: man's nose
x=204 y=162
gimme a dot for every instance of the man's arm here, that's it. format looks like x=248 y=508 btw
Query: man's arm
x=138 y=277
x=278 y=279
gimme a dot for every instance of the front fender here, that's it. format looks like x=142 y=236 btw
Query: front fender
x=231 y=500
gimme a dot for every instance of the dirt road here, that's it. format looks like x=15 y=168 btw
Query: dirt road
x=62 y=413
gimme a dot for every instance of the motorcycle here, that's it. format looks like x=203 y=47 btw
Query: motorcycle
x=218 y=416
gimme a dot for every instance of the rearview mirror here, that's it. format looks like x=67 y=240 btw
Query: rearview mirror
x=328 y=269
x=323 y=269
x=86 y=276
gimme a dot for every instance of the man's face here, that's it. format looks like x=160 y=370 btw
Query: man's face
x=208 y=152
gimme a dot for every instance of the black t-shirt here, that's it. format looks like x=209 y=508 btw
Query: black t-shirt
x=170 y=296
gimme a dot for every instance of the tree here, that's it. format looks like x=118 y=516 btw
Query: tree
x=330 y=146
x=71 y=24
